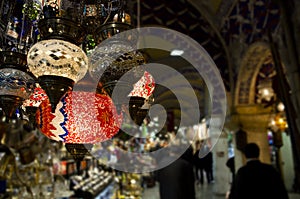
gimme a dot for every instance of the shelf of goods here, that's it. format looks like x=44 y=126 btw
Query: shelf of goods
x=99 y=184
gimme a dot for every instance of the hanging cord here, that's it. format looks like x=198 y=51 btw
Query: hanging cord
x=138 y=13
x=21 y=33
x=109 y=12
x=22 y=29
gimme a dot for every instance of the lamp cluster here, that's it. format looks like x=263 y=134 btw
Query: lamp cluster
x=47 y=46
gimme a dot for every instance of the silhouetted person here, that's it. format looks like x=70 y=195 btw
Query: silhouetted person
x=208 y=165
x=198 y=163
x=256 y=179
x=230 y=164
x=176 y=181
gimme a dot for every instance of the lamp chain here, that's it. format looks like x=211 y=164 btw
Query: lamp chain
x=138 y=13
x=109 y=12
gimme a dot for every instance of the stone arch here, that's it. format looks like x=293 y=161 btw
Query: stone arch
x=251 y=63
x=252 y=117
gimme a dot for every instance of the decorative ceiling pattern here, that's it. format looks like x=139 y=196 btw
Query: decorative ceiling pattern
x=246 y=21
x=185 y=18
x=251 y=21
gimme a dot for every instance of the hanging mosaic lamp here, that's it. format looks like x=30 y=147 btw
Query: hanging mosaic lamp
x=144 y=87
x=115 y=54
x=80 y=117
x=32 y=104
x=140 y=98
x=80 y=120
x=16 y=82
x=57 y=60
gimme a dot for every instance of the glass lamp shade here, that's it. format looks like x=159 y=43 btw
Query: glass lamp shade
x=139 y=98
x=80 y=118
x=16 y=83
x=36 y=98
x=33 y=102
x=136 y=110
x=110 y=62
x=144 y=87
x=58 y=58
x=62 y=29
x=111 y=29
x=58 y=65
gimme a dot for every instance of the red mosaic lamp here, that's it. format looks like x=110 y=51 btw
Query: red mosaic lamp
x=32 y=104
x=139 y=101
x=144 y=87
x=80 y=120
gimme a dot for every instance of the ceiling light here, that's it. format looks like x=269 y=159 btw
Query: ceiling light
x=176 y=52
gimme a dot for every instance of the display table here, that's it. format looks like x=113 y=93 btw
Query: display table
x=96 y=186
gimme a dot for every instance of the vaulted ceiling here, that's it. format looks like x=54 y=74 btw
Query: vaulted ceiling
x=216 y=24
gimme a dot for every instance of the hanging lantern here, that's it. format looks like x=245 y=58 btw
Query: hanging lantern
x=33 y=102
x=114 y=20
x=36 y=98
x=115 y=54
x=102 y=62
x=144 y=87
x=80 y=117
x=114 y=64
x=58 y=65
x=16 y=83
x=140 y=98
x=57 y=60
x=80 y=120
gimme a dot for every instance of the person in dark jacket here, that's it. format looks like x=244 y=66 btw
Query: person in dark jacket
x=198 y=163
x=231 y=165
x=256 y=179
x=208 y=167
x=176 y=181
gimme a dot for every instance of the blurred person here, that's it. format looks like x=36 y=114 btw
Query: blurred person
x=177 y=180
x=208 y=167
x=256 y=179
x=198 y=163
x=208 y=164
x=231 y=165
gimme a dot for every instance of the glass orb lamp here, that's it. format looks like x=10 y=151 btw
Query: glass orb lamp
x=144 y=87
x=115 y=54
x=16 y=82
x=80 y=118
x=140 y=97
x=109 y=62
x=57 y=64
x=36 y=98
x=57 y=60
x=33 y=102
